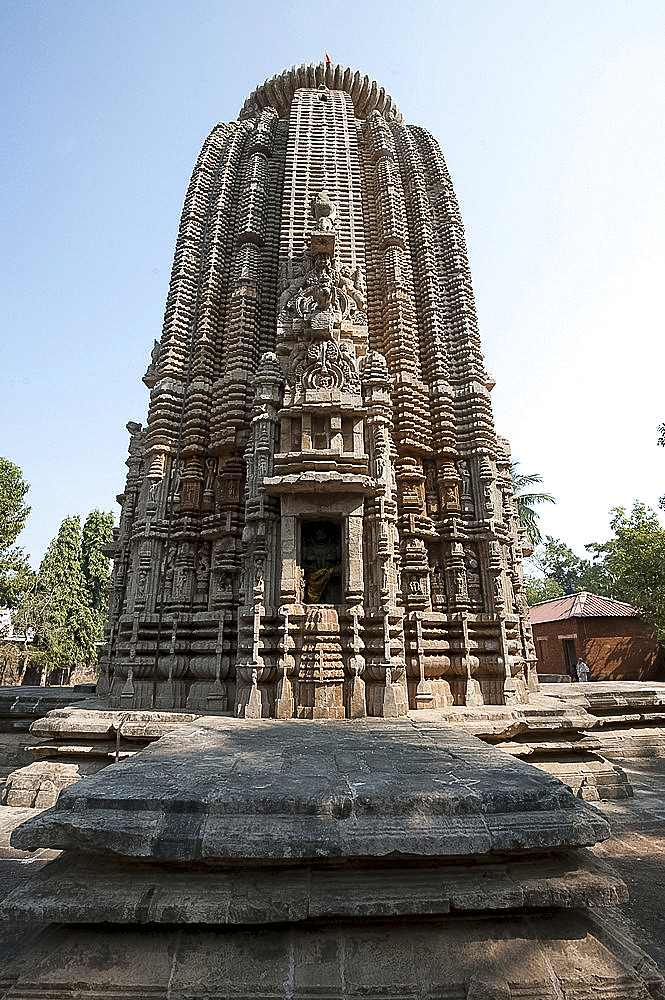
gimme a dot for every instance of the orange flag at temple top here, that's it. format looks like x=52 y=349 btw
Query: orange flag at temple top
x=328 y=60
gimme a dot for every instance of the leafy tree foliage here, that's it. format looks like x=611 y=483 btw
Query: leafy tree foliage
x=661 y=442
x=558 y=562
x=13 y=512
x=68 y=605
x=14 y=566
x=63 y=606
x=32 y=618
x=68 y=635
x=634 y=561
x=527 y=501
x=97 y=533
x=629 y=567
x=538 y=589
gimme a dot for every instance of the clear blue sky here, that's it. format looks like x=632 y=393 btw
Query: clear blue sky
x=551 y=115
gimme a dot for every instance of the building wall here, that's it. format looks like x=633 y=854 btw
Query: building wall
x=614 y=648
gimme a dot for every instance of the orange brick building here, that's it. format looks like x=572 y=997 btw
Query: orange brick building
x=609 y=635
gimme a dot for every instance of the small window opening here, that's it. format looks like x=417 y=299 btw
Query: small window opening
x=347 y=433
x=296 y=434
x=321 y=433
x=321 y=561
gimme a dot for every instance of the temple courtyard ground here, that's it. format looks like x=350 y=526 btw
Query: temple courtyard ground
x=636 y=850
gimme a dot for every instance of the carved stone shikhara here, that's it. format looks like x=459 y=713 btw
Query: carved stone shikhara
x=318 y=519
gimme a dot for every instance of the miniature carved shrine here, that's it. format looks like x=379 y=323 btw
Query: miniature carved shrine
x=319 y=519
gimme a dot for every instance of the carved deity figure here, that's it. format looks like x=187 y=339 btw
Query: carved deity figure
x=321 y=560
x=465 y=476
x=473 y=576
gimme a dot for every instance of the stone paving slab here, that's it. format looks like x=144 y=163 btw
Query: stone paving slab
x=542 y=714
x=71 y=722
x=607 y=695
x=222 y=789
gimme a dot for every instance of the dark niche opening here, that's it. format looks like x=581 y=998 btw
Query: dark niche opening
x=321 y=561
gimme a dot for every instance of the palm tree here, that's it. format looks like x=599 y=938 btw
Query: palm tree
x=526 y=501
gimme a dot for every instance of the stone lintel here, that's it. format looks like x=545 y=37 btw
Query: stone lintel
x=313 y=482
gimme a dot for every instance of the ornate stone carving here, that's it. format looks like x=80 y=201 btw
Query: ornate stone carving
x=329 y=364
x=325 y=288
x=151 y=375
x=333 y=376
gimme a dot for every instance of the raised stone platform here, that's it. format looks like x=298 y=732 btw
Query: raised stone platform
x=343 y=859
x=630 y=715
x=71 y=743
x=234 y=789
x=204 y=895
x=21 y=706
x=555 y=735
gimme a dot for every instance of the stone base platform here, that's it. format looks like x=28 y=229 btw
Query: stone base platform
x=373 y=859
x=75 y=742
x=630 y=715
x=204 y=895
x=20 y=706
x=555 y=735
x=38 y=785
x=555 y=956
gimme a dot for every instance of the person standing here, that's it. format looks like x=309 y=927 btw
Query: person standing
x=581 y=670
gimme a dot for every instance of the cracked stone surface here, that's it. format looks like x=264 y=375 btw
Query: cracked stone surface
x=221 y=789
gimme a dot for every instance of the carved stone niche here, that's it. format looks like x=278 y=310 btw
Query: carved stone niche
x=321 y=557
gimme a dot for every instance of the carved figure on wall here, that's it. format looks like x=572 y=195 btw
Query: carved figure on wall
x=465 y=476
x=150 y=377
x=498 y=593
x=324 y=287
x=431 y=490
x=348 y=364
x=294 y=277
x=473 y=576
x=330 y=365
x=438 y=586
x=136 y=439
x=202 y=570
x=461 y=591
x=295 y=364
x=489 y=499
x=354 y=285
x=211 y=470
x=142 y=582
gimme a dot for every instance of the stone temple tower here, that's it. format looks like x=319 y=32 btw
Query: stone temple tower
x=318 y=519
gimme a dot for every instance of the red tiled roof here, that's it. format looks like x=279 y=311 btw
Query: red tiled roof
x=582 y=605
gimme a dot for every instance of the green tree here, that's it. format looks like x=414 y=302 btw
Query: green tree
x=14 y=564
x=538 y=589
x=559 y=563
x=527 y=501
x=97 y=534
x=633 y=561
x=13 y=512
x=67 y=635
x=32 y=618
